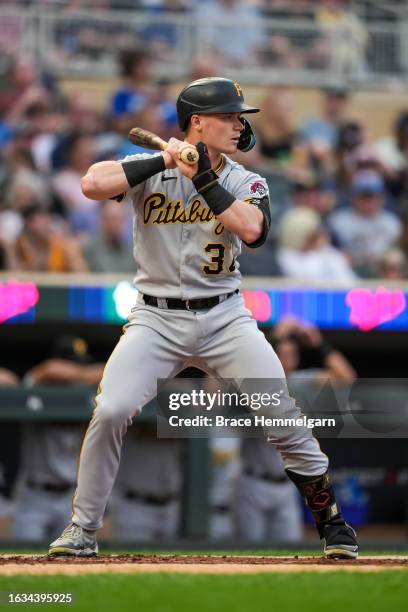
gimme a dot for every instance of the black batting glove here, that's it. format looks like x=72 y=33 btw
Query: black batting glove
x=205 y=177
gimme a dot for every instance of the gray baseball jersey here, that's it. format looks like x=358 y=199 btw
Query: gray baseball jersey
x=183 y=252
x=265 y=509
x=145 y=503
x=198 y=256
x=49 y=458
x=50 y=452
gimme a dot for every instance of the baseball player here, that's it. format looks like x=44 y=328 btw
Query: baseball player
x=145 y=502
x=189 y=221
x=50 y=449
x=266 y=504
x=225 y=466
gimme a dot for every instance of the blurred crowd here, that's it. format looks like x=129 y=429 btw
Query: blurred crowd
x=339 y=201
x=297 y=34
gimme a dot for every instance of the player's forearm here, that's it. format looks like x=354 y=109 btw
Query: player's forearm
x=339 y=367
x=91 y=374
x=53 y=371
x=104 y=180
x=244 y=220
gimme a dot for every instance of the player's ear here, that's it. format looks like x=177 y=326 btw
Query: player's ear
x=196 y=122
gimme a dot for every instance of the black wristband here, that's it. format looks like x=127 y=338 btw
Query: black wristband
x=139 y=170
x=205 y=180
x=218 y=198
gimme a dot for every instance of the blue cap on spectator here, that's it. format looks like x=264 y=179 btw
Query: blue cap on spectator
x=6 y=134
x=368 y=182
x=168 y=113
x=126 y=101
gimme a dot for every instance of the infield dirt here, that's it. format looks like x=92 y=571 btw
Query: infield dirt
x=190 y=564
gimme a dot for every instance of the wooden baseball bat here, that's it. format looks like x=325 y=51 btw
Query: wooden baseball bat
x=148 y=140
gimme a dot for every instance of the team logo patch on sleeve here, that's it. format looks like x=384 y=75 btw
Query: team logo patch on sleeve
x=257 y=188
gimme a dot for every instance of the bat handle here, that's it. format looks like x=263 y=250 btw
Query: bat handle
x=162 y=144
x=189 y=155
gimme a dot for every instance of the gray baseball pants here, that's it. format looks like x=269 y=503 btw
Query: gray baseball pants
x=157 y=344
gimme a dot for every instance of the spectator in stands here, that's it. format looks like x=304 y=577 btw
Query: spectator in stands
x=203 y=67
x=291 y=337
x=160 y=35
x=81 y=212
x=306 y=193
x=139 y=100
x=150 y=118
x=164 y=103
x=108 y=250
x=232 y=29
x=10 y=227
x=7 y=258
x=314 y=194
x=137 y=84
x=392 y=150
x=365 y=232
x=23 y=88
x=42 y=248
x=293 y=48
x=46 y=125
x=325 y=128
x=80 y=116
x=23 y=183
x=279 y=154
x=275 y=130
x=305 y=251
x=393 y=265
x=6 y=132
x=279 y=52
x=350 y=141
x=347 y=37
x=392 y=153
x=261 y=261
x=49 y=449
x=353 y=154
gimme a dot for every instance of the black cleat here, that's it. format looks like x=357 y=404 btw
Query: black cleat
x=340 y=541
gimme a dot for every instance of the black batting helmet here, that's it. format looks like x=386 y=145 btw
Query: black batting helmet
x=211 y=95
x=215 y=95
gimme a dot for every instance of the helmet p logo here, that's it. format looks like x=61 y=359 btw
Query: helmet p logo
x=238 y=89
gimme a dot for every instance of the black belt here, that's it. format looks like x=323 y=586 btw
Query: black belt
x=175 y=304
x=221 y=509
x=266 y=476
x=156 y=500
x=62 y=487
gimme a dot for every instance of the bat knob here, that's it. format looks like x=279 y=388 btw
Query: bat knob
x=189 y=155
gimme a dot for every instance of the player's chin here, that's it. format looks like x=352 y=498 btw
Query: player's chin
x=231 y=147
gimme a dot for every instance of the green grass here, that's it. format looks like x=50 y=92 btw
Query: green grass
x=303 y=592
